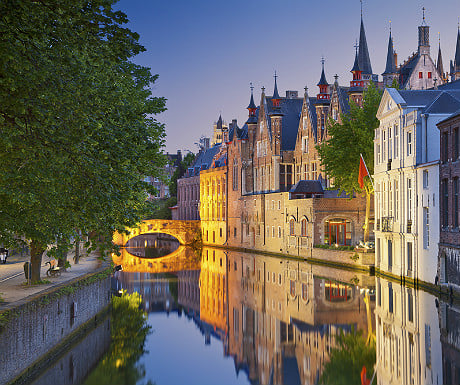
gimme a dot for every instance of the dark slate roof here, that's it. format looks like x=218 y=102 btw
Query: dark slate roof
x=390 y=66
x=406 y=69
x=445 y=103
x=450 y=86
x=356 y=64
x=457 y=51
x=307 y=187
x=322 y=80
x=344 y=99
x=313 y=117
x=204 y=159
x=219 y=123
x=244 y=132
x=363 y=53
x=455 y=114
x=419 y=98
x=290 y=109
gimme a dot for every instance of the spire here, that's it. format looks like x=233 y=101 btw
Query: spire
x=322 y=80
x=275 y=92
x=390 y=66
x=439 y=65
x=363 y=53
x=457 y=51
x=252 y=108
x=219 y=122
x=356 y=64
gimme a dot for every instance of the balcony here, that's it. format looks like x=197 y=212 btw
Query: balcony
x=409 y=226
x=387 y=224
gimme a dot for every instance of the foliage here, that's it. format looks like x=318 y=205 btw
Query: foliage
x=179 y=172
x=348 y=358
x=78 y=132
x=159 y=208
x=333 y=247
x=129 y=331
x=340 y=154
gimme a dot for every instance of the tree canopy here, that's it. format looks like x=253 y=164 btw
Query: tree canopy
x=78 y=134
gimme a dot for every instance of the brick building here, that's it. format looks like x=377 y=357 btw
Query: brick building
x=449 y=186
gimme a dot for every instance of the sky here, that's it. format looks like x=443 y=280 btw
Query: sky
x=206 y=52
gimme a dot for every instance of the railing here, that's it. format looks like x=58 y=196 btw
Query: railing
x=387 y=224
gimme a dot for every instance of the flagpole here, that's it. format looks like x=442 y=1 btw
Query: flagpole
x=368 y=173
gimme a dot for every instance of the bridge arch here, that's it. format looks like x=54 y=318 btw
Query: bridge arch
x=184 y=231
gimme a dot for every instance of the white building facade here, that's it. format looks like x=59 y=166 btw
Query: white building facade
x=406 y=181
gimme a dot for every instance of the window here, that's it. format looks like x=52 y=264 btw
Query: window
x=390 y=254
x=456 y=188
x=429 y=75
x=396 y=194
x=409 y=143
x=390 y=297
x=410 y=305
x=409 y=256
x=426 y=227
x=409 y=199
x=314 y=172
x=425 y=179
x=428 y=345
x=303 y=226
x=456 y=144
x=445 y=203
x=304 y=291
x=235 y=177
x=292 y=288
x=279 y=232
x=420 y=75
x=291 y=226
x=273 y=231
x=396 y=129
x=234 y=232
x=305 y=144
x=337 y=231
x=445 y=147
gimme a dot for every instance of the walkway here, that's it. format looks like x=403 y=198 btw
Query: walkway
x=13 y=287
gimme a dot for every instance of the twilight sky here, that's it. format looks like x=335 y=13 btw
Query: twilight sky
x=208 y=51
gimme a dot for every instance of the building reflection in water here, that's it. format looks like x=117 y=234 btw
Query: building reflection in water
x=279 y=318
x=152 y=245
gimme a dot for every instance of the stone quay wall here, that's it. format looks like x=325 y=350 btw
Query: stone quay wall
x=36 y=325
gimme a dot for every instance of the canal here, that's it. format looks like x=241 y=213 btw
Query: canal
x=226 y=317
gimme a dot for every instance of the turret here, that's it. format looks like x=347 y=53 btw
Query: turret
x=323 y=85
x=276 y=117
x=456 y=65
x=323 y=100
x=424 y=37
x=252 y=118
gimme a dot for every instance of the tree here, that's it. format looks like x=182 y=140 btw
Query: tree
x=180 y=171
x=348 y=358
x=78 y=133
x=340 y=154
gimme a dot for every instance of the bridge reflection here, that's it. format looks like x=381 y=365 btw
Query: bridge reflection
x=184 y=258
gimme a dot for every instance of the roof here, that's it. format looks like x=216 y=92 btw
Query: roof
x=356 y=64
x=455 y=114
x=445 y=103
x=406 y=69
x=419 y=98
x=390 y=66
x=363 y=53
x=439 y=65
x=457 y=51
x=455 y=85
x=344 y=99
x=290 y=110
x=322 y=80
x=308 y=187
x=251 y=103
x=275 y=91
x=204 y=159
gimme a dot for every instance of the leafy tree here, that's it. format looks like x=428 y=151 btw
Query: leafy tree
x=340 y=154
x=129 y=329
x=348 y=358
x=179 y=172
x=78 y=134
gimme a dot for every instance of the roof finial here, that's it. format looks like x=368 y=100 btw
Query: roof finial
x=356 y=47
x=306 y=89
x=336 y=77
x=275 y=76
x=251 y=86
x=389 y=21
x=322 y=61
x=361 y=1
x=423 y=22
x=263 y=89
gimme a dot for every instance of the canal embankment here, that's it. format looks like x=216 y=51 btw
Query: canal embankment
x=39 y=328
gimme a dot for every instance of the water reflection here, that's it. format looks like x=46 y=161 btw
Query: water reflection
x=152 y=245
x=284 y=321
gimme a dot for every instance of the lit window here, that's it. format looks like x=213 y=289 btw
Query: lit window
x=291 y=227
x=429 y=75
x=420 y=75
x=303 y=227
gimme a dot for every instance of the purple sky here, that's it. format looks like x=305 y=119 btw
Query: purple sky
x=208 y=51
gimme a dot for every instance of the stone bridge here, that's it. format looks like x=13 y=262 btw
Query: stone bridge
x=184 y=231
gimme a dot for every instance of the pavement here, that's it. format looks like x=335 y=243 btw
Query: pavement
x=14 y=286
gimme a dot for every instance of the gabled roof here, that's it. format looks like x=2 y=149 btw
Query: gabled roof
x=290 y=109
x=406 y=69
x=363 y=53
x=390 y=66
x=419 y=98
x=307 y=187
x=445 y=103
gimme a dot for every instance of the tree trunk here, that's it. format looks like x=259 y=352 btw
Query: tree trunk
x=76 y=259
x=368 y=214
x=62 y=260
x=36 y=253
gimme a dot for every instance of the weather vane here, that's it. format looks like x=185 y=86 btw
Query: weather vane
x=251 y=86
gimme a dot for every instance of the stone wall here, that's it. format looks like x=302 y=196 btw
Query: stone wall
x=36 y=325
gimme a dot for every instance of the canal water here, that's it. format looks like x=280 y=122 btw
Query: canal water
x=226 y=317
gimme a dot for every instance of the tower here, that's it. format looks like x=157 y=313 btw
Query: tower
x=323 y=101
x=252 y=119
x=424 y=37
x=357 y=84
x=220 y=132
x=391 y=72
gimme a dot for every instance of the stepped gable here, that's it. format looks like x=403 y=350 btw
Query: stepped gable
x=290 y=108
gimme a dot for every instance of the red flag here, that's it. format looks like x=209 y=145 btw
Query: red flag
x=362 y=172
x=364 y=380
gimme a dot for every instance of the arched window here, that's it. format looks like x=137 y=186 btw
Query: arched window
x=303 y=227
x=291 y=226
